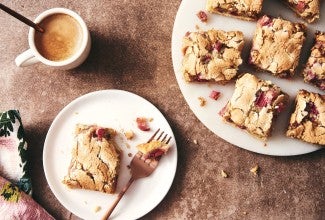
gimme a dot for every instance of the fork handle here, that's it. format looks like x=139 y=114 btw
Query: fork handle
x=119 y=197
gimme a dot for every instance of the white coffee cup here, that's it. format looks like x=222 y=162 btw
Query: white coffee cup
x=32 y=55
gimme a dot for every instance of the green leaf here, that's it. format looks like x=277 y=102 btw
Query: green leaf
x=12 y=115
x=10 y=127
x=3 y=116
x=25 y=184
x=20 y=132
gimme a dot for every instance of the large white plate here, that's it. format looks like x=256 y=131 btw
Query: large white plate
x=186 y=20
x=117 y=109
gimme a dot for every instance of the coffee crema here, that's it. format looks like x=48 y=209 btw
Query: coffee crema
x=61 y=39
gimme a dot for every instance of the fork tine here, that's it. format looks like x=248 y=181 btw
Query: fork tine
x=160 y=135
x=168 y=140
x=164 y=138
x=153 y=136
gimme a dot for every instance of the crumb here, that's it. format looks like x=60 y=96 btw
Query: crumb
x=97 y=208
x=127 y=146
x=195 y=141
x=128 y=166
x=150 y=119
x=224 y=174
x=130 y=154
x=255 y=170
x=129 y=134
x=202 y=16
x=202 y=101
x=76 y=113
x=265 y=144
x=214 y=95
x=143 y=124
x=197 y=27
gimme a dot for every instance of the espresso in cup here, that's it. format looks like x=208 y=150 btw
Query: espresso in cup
x=61 y=39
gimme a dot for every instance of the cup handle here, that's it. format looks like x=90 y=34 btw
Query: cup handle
x=26 y=58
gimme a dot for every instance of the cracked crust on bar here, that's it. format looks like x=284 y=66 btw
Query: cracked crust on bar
x=254 y=105
x=306 y=9
x=314 y=71
x=211 y=56
x=95 y=159
x=242 y=9
x=277 y=45
x=307 y=122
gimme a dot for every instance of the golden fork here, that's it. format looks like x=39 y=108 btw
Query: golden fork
x=140 y=167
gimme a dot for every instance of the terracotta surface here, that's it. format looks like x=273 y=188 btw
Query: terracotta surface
x=132 y=51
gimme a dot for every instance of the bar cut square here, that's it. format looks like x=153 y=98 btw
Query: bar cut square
x=242 y=9
x=314 y=72
x=254 y=105
x=277 y=46
x=211 y=56
x=307 y=122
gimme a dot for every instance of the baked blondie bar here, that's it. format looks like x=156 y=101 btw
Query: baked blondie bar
x=211 y=56
x=153 y=150
x=306 y=9
x=314 y=71
x=243 y=9
x=307 y=122
x=277 y=45
x=254 y=105
x=95 y=159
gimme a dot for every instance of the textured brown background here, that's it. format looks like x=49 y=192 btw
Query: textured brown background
x=132 y=51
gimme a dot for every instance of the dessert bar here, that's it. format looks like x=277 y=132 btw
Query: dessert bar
x=211 y=56
x=277 y=45
x=254 y=105
x=306 y=9
x=153 y=150
x=307 y=122
x=314 y=71
x=95 y=159
x=243 y=9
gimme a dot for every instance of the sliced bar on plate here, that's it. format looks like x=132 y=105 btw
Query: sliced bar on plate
x=307 y=122
x=254 y=105
x=314 y=71
x=277 y=45
x=211 y=56
x=243 y=9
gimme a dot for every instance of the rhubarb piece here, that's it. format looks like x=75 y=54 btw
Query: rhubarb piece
x=153 y=150
x=214 y=95
x=243 y=9
x=307 y=122
x=143 y=124
x=314 y=71
x=202 y=16
x=212 y=56
x=277 y=45
x=254 y=105
x=306 y=9
x=95 y=159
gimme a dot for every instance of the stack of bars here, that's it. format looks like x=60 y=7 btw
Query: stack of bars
x=215 y=56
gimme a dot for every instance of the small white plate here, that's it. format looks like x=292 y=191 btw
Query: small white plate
x=186 y=20
x=116 y=109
